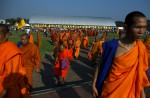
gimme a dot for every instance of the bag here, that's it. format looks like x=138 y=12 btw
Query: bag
x=63 y=63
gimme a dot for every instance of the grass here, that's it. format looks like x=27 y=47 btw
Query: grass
x=47 y=45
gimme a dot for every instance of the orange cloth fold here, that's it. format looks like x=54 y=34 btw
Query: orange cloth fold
x=127 y=76
x=57 y=69
x=31 y=40
x=39 y=39
x=11 y=71
x=31 y=57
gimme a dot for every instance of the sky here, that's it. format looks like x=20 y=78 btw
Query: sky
x=115 y=9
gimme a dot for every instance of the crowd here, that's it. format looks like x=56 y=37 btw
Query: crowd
x=120 y=72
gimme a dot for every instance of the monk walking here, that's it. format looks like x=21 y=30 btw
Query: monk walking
x=96 y=50
x=31 y=57
x=77 y=47
x=12 y=72
x=62 y=65
x=85 y=41
x=121 y=73
x=39 y=39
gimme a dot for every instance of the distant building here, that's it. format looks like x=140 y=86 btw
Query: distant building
x=2 y=21
x=72 y=21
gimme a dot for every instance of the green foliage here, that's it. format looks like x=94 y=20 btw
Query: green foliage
x=119 y=23
x=12 y=21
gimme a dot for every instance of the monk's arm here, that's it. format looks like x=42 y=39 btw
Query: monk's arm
x=37 y=58
x=95 y=76
x=96 y=72
x=12 y=72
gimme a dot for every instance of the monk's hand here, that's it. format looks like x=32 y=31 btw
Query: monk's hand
x=95 y=92
x=37 y=70
x=143 y=95
x=2 y=95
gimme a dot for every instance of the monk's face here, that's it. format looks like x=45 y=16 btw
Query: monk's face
x=3 y=36
x=138 y=29
x=24 y=40
x=61 y=48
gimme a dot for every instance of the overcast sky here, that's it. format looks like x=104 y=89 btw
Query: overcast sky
x=115 y=9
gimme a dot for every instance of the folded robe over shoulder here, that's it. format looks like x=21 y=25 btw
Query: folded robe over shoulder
x=109 y=50
x=126 y=75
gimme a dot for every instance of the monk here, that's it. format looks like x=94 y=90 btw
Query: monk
x=12 y=72
x=121 y=73
x=31 y=56
x=85 y=41
x=71 y=44
x=39 y=39
x=55 y=51
x=64 y=40
x=102 y=40
x=147 y=44
x=31 y=40
x=77 y=47
x=95 y=50
x=104 y=35
x=60 y=72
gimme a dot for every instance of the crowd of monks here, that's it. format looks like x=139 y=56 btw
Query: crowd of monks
x=73 y=40
x=67 y=44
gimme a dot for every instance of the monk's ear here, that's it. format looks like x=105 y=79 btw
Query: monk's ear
x=125 y=27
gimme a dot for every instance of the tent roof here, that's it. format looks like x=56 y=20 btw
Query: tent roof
x=72 y=20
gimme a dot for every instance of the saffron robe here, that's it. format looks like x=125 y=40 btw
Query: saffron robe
x=31 y=40
x=31 y=57
x=121 y=75
x=57 y=68
x=39 y=39
x=12 y=72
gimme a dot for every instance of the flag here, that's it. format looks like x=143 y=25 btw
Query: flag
x=21 y=24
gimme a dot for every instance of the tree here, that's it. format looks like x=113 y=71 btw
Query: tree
x=119 y=23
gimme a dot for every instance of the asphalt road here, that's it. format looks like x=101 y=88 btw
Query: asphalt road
x=77 y=84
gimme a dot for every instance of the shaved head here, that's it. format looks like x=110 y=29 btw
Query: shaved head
x=4 y=33
x=25 y=39
x=4 y=29
x=26 y=35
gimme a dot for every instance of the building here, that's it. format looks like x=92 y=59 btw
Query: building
x=72 y=21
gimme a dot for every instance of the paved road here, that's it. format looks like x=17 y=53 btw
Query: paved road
x=78 y=81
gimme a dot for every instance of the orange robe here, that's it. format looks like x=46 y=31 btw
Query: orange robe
x=55 y=54
x=39 y=39
x=31 y=40
x=71 y=45
x=64 y=40
x=127 y=74
x=85 y=41
x=100 y=46
x=147 y=44
x=77 y=48
x=12 y=72
x=94 y=50
x=57 y=70
x=31 y=57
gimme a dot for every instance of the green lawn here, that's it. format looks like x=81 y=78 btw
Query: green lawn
x=47 y=46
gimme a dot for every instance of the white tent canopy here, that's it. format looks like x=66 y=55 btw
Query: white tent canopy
x=71 y=20
x=27 y=25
